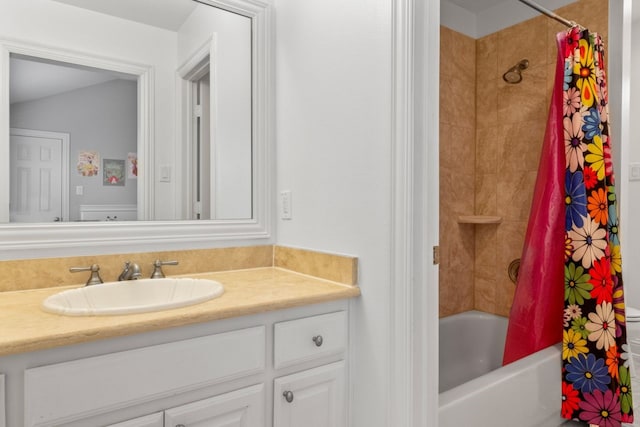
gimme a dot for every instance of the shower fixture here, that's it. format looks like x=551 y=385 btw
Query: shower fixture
x=513 y=270
x=514 y=74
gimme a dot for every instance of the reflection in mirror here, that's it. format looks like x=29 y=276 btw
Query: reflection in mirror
x=125 y=151
x=162 y=43
x=71 y=128
x=216 y=89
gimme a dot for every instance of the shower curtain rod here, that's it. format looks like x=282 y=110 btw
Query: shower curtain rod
x=549 y=13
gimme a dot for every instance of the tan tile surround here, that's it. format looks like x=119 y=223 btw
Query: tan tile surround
x=337 y=268
x=491 y=134
x=53 y=272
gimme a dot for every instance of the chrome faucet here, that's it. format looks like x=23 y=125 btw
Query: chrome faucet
x=131 y=271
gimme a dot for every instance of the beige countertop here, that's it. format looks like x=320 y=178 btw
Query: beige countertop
x=25 y=327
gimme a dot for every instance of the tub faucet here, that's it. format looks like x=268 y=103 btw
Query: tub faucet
x=131 y=271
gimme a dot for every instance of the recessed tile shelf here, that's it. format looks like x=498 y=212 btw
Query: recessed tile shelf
x=479 y=219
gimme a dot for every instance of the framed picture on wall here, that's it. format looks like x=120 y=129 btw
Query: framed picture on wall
x=113 y=172
x=88 y=163
x=132 y=166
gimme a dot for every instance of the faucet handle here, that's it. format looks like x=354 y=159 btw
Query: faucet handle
x=157 y=268
x=95 y=278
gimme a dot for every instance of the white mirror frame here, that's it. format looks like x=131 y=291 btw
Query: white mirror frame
x=19 y=241
x=145 y=114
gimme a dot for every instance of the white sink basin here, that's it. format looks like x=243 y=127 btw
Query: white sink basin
x=133 y=296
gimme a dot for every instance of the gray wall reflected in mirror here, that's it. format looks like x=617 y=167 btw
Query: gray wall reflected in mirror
x=196 y=162
x=98 y=110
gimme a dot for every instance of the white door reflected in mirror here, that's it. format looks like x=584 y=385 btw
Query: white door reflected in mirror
x=39 y=166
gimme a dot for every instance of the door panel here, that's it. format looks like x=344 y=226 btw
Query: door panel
x=37 y=177
x=152 y=420
x=311 y=398
x=240 y=408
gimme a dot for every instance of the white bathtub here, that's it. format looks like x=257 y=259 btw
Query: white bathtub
x=475 y=390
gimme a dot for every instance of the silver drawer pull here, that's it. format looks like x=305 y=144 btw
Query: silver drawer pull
x=288 y=395
x=180 y=425
x=318 y=340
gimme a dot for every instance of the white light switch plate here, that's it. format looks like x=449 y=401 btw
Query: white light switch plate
x=165 y=173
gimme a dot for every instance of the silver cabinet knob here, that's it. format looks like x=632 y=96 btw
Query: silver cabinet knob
x=318 y=340
x=288 y=395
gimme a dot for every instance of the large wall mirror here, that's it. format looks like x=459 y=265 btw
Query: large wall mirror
x=133 y=121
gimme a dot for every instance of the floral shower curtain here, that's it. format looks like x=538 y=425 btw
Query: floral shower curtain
x=596 y=384
x=596 y=379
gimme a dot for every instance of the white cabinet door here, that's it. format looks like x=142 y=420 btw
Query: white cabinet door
x=240 y=408
x=311 y=398
x=152 y=420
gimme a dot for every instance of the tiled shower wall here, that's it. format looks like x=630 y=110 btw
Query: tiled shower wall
x=457 y=169
x=508 y=121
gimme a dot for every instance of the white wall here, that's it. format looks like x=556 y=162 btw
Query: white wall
x=45 y=22
x=98 y=118
x=333 y=137
x=231 y=86
x=624 y=35
x=630 y=226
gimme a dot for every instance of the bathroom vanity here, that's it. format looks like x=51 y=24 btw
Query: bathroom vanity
x=271 y=351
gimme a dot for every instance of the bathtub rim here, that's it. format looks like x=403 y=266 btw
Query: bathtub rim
x=478 y=385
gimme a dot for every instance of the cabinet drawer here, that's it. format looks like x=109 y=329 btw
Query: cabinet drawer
x=301 y=340
x=88 y=387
